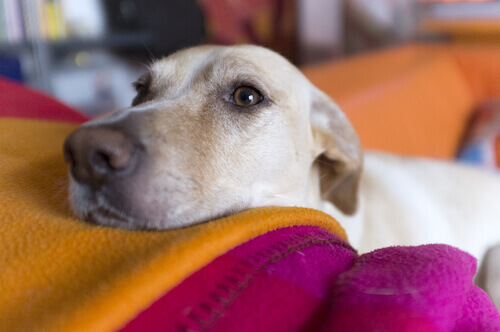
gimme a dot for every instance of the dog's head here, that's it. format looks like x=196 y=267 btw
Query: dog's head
x=213 y=131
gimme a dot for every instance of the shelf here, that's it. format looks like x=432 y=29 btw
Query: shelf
x=463 y=27
x=12 y=49
x=115 y=41
x=112 y=42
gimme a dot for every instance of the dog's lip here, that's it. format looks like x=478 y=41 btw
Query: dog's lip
x=102 y=214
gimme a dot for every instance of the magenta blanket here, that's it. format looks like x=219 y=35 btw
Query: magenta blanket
x=306 y=279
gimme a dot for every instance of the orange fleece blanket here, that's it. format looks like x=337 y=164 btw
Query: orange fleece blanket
x=59 y=273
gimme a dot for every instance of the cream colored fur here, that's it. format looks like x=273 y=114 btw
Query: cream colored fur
x=411 y=201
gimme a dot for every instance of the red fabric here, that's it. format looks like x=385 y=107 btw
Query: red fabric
x=20 y=102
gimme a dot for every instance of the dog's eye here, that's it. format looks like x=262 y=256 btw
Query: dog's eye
x=140 y=88
x=246 y=96
x=142 y=91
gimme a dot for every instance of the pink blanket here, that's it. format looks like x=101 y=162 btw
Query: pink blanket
x=305 y=279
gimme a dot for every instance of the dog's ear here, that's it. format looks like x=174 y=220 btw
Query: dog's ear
x=338 y=152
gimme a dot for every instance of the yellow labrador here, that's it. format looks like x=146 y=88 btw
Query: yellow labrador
x=211 y=132
x=217 y=130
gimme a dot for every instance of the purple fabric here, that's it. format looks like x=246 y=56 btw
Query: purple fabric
x=305 y=279
x=409 y=288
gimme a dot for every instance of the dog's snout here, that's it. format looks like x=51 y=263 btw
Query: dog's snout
x=97 y=154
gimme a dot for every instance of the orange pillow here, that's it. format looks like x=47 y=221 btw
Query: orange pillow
x=412 y=100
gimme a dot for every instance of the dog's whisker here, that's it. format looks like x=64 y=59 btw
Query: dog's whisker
x=141 y=63
x=283 y=197
x=319 y=161
x=60 y=187
x=153 y=58
x=323 y=176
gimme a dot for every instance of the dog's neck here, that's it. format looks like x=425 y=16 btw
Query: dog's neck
x=314 y=190
x=351 y=224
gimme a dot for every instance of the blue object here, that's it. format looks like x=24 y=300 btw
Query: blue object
x=472 y=154
x=11 y=68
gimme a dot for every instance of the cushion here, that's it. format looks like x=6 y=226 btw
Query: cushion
x=18 y=101
x=482 y=142
x=480 y=64
x=410 y=100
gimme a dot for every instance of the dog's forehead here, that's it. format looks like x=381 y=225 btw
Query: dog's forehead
x=180 y=63
x=229 y=60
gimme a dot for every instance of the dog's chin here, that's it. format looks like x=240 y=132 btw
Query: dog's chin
x=108 y=216
x=105 y=216
x=96 y=209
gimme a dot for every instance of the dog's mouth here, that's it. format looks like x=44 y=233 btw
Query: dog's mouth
x=104 y=215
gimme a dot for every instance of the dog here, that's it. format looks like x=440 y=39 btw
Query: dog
x=211 y=132
x=216 y=130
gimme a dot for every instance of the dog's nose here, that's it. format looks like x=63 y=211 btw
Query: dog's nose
x=97 y=154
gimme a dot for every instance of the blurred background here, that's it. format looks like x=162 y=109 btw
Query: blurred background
x=87 y=53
